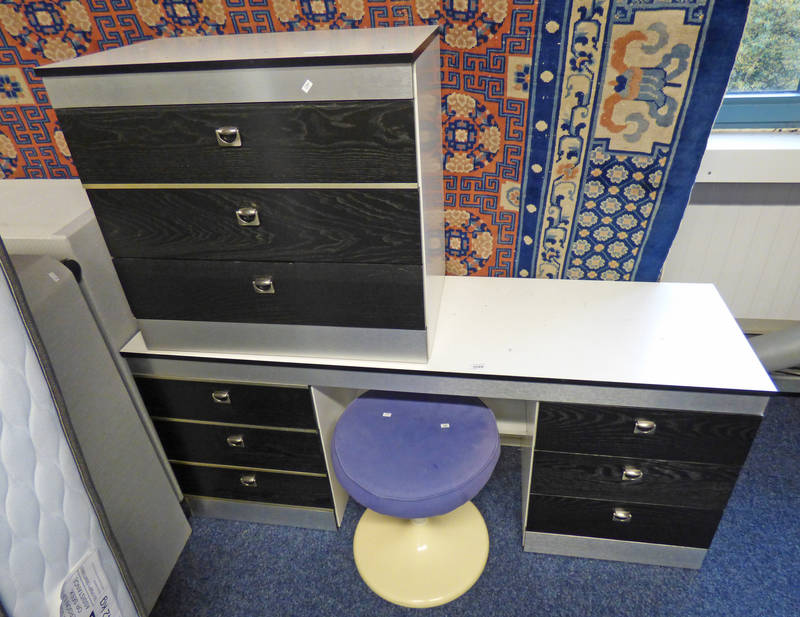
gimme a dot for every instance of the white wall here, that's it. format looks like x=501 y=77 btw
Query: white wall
x=751 y=252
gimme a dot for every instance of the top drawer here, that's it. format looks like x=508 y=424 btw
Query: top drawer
x=662 y=434
x=330 y=141
x=228 y=402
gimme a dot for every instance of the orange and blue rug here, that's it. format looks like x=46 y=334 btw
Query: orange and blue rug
x=572 y=129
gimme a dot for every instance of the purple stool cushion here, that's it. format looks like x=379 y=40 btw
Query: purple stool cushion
x=405 y=464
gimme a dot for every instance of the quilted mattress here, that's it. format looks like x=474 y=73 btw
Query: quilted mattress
x=48 y=519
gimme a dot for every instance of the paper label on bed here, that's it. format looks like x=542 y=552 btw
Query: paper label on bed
x=86 y=592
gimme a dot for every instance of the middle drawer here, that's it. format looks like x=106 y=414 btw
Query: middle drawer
x=287 y=450
x=311 y=225
x=670 y=483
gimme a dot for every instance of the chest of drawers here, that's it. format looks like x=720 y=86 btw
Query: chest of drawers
x=641 y=476
x=272 y=193
x=237 y=443
x=277 y=193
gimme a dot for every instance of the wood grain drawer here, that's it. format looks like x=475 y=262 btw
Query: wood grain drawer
x=675 y=483
x=330 y=141
x=678 y=435
x=273 y=488
x=310 y=225
x=648 y=523
x=228 y=402
x=260 y=448
x=355 y=295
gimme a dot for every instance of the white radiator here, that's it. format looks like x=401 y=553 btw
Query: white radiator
x=750 y=252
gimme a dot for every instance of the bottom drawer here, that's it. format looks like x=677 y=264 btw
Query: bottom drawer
x=276 y=488
x=347 y=295
x=594 y=518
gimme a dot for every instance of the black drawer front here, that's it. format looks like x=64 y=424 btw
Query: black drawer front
x=355 y=295
x=330 y=141
x=261 y=448
x=335 y=225
x=275 y=488
x=694 y=485
x=678 y=435
x=648 y=523
x=226 y=402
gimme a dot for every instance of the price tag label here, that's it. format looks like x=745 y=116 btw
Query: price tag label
x=86 y=591
x=307 y=86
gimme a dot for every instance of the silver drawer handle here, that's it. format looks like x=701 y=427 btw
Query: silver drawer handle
x=247 y=216
x=248 y=480
x=221 y=396
x=235 y=441
x=228 y=137
x=630 y=472
x=264 y=285
x=644 y=426
x=620 y=515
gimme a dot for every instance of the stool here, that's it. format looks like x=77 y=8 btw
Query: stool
x=415 y=461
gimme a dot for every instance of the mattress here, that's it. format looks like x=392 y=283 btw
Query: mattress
x=50 y=519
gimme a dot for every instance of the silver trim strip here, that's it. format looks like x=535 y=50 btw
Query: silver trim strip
x=273 y=514
x=615 y=550
x=428 y=134
x=329 y=404
x=260 y=427
x=253 y=85
x=322 y=341
x=527 y=457
x=252 y=185
x=242 y=468
x=296 y=386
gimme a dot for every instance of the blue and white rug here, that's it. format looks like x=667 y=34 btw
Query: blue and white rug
x=623 y=97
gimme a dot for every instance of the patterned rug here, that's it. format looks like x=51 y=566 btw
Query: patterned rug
x=624 y=98
x=589 y=181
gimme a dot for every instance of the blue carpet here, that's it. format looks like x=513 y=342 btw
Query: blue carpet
x=235 y=569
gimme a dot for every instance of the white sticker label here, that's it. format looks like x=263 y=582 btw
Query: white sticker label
x=307 y=86
x=54 y=276
x=86 y=592
x=445 y=425
x=387 y=414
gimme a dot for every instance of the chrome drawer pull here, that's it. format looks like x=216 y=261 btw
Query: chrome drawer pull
x=247 y=216
x=631 y=473
x=263 y=285
x=620 y=515
x=235 y=441
x=221 y=396
x=248 y=480
x=644 y=427
x=228 y=137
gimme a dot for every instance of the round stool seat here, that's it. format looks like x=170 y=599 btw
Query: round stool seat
x=414 y=455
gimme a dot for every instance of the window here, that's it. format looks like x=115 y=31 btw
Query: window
x=764 y=89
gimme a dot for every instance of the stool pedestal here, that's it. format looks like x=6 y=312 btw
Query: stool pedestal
x=421 y=563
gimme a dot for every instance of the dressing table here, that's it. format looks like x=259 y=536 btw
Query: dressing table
x=272 y=205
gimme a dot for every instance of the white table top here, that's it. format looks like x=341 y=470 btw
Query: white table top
x=274 y=46
x=656 y=334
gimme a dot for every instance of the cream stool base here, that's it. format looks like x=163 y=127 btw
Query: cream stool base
x=423 y=562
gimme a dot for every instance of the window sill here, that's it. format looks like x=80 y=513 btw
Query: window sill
x=751 y=157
